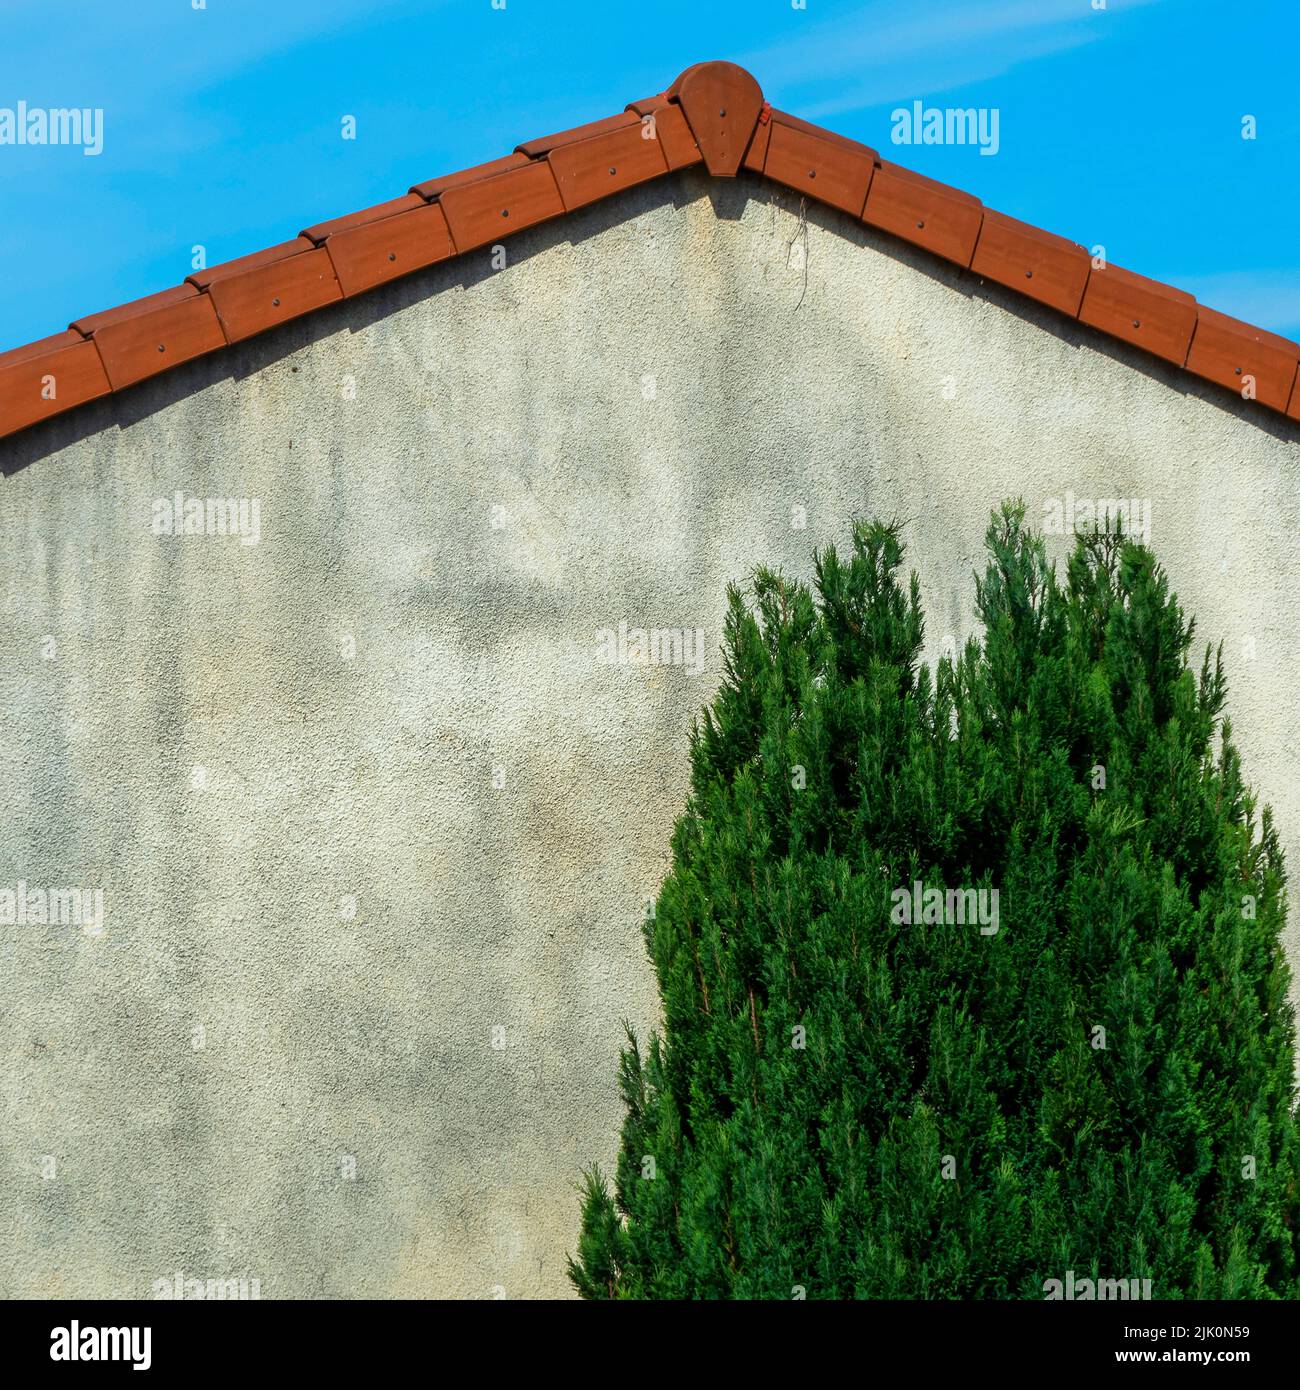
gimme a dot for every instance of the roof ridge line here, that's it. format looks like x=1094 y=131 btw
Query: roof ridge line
x=713 y=114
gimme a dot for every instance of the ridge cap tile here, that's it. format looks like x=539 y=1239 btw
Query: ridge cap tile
x=1259 y=365
x=1039 y=264
x=587 y=170
x=92 y=323
x=831 y=172
x=375 y=213
x=444 y=183
x=1144 y=282
x=900 y=171
x=1153 y=316
x=73 y=362
x=722 y=104
x=41 y=347
x=1028 y=229
x=809 y=128
x=373 y=252
x=282 y=251
x=1263 y=336
x=143 y=345
x=606 y=125
x=480 y=211
x=264 y=296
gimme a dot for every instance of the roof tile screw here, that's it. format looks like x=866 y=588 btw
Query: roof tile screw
x=1237 y=370
x=276 y=302
x=1137 y=323
x=1029 y=275
x=812 y=173
x=921 y=223
x=612 y=171
x=162 y=347
x=505 y=212
x=392 y=255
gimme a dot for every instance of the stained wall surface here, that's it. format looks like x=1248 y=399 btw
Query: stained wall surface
x=373 y=818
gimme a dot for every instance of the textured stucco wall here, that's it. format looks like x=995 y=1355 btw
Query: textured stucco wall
x=349 y=685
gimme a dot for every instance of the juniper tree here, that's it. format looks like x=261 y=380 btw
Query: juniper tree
x=849 y=1104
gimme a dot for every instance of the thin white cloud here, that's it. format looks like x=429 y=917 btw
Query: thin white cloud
x=931 y=76
x=196 y=48
x=883 y=55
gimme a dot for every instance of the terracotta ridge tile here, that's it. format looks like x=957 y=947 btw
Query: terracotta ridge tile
x=92 y=322
x=265 y=295
x=1256 y=364
x=370 y=253
x=142 y=345
x=930 y=214
x=209 y=276
x=1154 y=316
x=619 y=157
x=808 y=128
x=647 y=105
x=722 y=104
x=1033 y=262
x=533 y=149
x=11 y=357
x=435 y=188
x=45 y=378
x=334 y=225
x=834 y=171
x=481 y=211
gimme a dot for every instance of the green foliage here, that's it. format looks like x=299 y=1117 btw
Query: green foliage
x=951 y=1127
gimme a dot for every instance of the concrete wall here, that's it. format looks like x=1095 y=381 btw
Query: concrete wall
x=349 y=684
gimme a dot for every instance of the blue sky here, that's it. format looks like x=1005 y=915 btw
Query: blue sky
x=222 y=125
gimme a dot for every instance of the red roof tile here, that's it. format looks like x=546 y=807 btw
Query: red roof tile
x=829 y=168
x=1156 y=317
x=1237 y=356
x=48 y=377
x=261 y=296
x=491 y=208
x=434 y=188
x=587 y=170
x=1040 y=264
x=722 y=104
x=203 y=279
x=368 y=254
x=144 y=344
x=714 y=113
x=391 y=208
x=535 y=148
x=942 y=219
x=86 y=326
